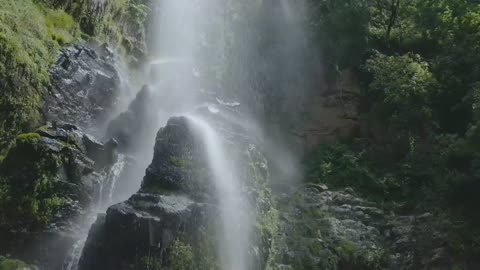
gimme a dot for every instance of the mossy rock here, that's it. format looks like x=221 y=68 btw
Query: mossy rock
x=39 y=178
x=30 y=35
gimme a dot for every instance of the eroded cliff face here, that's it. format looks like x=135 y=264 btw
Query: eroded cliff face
x=331 y=111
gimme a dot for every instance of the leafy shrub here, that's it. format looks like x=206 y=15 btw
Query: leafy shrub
x=182 y=256
x=338 y=166
x=402 y=88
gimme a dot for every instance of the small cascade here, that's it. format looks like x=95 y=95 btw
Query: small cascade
x=234 y=213
x=107 y=184
x=72 y=260
x=112 y=178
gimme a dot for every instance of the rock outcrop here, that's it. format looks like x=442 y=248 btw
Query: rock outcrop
x=50 y=178
x=131 y=128
x=84 y=86
x=172 y=221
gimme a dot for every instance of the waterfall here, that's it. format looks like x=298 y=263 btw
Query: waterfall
x=107 y=183
x=235 y=228
x=189 y=48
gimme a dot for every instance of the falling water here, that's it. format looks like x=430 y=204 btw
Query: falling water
x=107 y=183
x=187 y=45
x=235 y=221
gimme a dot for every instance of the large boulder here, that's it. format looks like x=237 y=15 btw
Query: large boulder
x=173 y=220
x=49 y=180
x=84 y=86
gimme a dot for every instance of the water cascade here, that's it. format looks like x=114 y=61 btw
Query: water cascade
x=189 y=48
x=234 y=213
x=107 y=183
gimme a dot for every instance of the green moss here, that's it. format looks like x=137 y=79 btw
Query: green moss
x=32 y=31
x=43 y=128
x=30 y=35
x=180 y=162
x=28 y=136
x=29 y=173
x=11 y=264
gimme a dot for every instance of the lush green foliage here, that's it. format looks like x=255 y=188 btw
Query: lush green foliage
x=401 y=92
x=419 y=66
x=32 y=31
x=338 y=165
x=11 y=264
x=29 y=196
x=182 y=256
x=30 y=35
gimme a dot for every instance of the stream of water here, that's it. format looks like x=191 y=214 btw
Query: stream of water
x=235 y=231
x=107 y=183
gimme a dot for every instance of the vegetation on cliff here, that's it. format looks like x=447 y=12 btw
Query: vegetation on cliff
x=418 y=63
x=11 y=264
x=32 y=31
x=30 y=35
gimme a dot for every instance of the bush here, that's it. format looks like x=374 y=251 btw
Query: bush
x=182 y=256
x=402 y=90
x=338 y=166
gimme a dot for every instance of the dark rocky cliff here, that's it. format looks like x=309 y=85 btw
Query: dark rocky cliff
x=175 y=210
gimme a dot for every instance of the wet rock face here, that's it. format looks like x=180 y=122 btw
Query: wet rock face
x=131 y=128
x=84 y=86
x=178 y=162
x=51 y=178
x=177 y=206
x=146 y=225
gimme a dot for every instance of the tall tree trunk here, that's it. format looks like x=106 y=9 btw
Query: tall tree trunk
x=394 y=10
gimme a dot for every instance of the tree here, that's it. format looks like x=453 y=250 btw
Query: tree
x=403 y=87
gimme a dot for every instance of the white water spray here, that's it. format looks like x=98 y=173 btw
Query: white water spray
x=188 y=43
x=107 y=183
x=234 y=210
